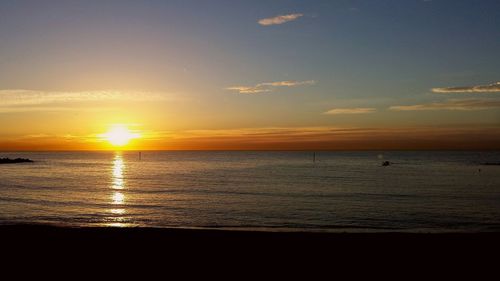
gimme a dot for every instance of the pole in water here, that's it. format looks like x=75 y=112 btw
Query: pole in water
x=140 y=155
x=314 y=157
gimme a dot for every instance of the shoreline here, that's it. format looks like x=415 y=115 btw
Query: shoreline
x=267 y=230
x=41 y=232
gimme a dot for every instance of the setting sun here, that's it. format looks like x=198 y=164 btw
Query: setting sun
x=119 y=135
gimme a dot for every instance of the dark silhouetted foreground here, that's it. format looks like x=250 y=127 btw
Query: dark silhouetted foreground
x=225 y=253
x=335 y=245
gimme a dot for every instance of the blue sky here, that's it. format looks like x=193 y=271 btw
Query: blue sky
x=371 y=64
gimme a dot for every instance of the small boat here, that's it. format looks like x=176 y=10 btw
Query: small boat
x=386 y=163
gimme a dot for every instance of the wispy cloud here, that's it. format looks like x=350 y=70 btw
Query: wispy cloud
x=249 y=90
x=288 y=83
x=280 y=19
x=357 y=110
x=268 y=86
x=28 y=100
x=452 y=104
x=490 y=88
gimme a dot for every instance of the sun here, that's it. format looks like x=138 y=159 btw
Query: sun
x=119 y=135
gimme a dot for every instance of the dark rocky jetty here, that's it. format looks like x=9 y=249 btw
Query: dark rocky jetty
x=15 y=161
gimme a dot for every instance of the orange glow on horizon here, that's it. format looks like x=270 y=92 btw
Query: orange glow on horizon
x=121 y=138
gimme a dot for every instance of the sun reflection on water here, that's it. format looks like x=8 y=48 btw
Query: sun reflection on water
x=118 y=167
x=118 y=197
x=117 y=211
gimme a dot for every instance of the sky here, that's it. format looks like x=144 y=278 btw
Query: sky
x=233 y=74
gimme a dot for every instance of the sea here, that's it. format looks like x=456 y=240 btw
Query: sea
x=420 y=191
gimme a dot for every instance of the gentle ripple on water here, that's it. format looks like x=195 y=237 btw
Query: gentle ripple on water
x=342 y=191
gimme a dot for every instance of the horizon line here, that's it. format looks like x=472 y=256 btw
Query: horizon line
x=257 y=150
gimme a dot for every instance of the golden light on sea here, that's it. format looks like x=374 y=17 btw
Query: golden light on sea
x=118 y=166
x=118 y=197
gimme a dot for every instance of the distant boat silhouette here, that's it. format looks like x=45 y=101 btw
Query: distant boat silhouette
x=386 y=163
x=14 y=161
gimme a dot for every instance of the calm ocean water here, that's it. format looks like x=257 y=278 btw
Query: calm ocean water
x=342 y=191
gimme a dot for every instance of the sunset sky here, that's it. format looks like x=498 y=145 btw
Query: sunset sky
x=233 y=74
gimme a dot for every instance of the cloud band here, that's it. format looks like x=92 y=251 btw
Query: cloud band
x=358 y=110
x=280 y=19
x=453 y=104
x=267 y=87
x=490 y=88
